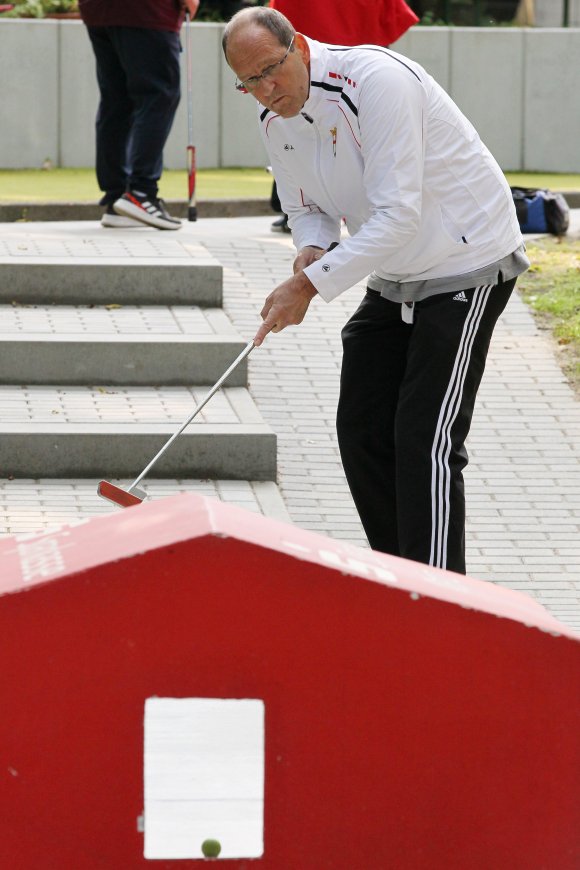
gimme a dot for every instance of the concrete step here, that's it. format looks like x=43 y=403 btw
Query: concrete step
x=135 y=311
x=139 y=269
x=79 y=432
x=91 y=211
x=130 y=346
x=239 y=452
x=116 y=360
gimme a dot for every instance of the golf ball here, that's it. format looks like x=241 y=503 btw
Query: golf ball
x=211 y=848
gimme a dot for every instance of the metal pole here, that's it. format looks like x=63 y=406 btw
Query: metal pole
x=446 y=10
x=566 y=21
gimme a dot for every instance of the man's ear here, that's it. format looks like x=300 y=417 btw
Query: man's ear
x=302 y=47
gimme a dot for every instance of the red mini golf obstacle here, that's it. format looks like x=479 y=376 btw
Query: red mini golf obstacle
x=413 y=718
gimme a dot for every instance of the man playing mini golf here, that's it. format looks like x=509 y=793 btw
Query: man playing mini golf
x=367 y=135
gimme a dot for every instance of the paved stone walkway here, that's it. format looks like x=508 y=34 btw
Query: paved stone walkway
x=523 y=480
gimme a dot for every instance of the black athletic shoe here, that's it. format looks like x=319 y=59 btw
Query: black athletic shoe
x=146 y=209
x=281 y=225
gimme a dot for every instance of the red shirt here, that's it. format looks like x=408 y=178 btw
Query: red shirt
x=349 y=22
x=151 y=14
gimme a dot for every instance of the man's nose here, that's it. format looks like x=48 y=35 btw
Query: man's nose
x=267 y=86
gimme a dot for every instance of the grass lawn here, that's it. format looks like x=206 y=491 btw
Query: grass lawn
x=552 y=288
x=554 y=181
x=80 y=185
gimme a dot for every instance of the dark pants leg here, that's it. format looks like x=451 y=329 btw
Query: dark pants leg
x=275 y=199
x=139 y=83
x=375 y=342
x=405 y=409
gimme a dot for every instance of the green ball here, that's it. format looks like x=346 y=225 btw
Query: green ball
x=211 y=848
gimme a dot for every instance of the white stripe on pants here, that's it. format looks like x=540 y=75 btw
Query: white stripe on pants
x=441 y=474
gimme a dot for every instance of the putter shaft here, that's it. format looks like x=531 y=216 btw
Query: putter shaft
x=246 y=351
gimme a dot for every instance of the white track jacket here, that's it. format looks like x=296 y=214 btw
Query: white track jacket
x=381 y=144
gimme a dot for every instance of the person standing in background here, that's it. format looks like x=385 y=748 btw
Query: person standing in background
x=136 y=47
x=346 y=22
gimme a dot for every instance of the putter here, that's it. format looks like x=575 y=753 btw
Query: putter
x=191 y=167
x=133 y=495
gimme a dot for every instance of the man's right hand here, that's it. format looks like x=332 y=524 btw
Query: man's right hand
x=286 y=305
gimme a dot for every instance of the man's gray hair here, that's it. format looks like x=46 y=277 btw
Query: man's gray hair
x=269 y=19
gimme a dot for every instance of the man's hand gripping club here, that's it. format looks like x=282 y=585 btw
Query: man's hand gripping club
x=288 y=303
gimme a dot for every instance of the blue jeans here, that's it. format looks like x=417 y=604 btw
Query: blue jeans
x=139 y=83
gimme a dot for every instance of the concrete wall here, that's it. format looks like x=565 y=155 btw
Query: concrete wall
x=508 y=81
x=29 y=93
x=551 y=133
x=550 y=13
x=49 y=99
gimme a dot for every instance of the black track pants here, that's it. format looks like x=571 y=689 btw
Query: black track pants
x=407 y=395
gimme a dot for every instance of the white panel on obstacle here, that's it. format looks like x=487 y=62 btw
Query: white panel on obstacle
x=204 y=777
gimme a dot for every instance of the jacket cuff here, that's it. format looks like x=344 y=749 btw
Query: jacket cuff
x=320 y=274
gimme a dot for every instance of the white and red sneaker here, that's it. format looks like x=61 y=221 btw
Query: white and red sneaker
x=112 y=220
x=146 y=209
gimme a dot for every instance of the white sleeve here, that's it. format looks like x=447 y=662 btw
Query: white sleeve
x=390 y=115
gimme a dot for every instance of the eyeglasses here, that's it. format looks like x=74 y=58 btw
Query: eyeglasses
x=253 y=82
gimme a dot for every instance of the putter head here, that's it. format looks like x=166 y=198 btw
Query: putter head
x=119 y=496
